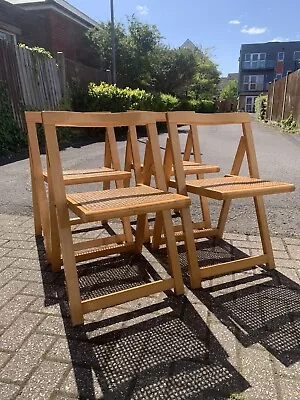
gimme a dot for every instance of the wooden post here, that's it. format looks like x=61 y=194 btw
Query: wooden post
x=284 y=94
x=273 y=91
x=60 y=58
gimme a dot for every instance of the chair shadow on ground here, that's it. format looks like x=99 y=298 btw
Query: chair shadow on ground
x=157 y=348
x=257 y=306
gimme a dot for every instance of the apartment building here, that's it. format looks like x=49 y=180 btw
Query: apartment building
x=262 y=63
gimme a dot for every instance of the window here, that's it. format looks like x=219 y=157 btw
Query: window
x=280 y=56
x=253 y=82
x=296 y=55
x=278 y=76
x=9 y=37
x=255 y=60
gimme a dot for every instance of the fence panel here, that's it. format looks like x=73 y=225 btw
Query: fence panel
x=82 y=75
x=283 y=98
x=9 y=77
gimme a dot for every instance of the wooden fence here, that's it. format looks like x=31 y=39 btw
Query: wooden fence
x=37 y=82
x=10 y=80
x=283 y=98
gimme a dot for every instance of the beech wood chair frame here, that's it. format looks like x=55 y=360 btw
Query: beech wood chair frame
x=90 y=210
x=225 y=189
x=43 y=208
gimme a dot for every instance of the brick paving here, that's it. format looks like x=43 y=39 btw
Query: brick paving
x=237 y=338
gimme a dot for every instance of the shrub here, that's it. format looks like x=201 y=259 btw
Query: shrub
x=261 y=103
x=105 y=97
x=11 y=136
x=289 y=124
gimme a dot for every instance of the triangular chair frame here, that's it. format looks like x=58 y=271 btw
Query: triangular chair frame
x=43 y=208
x=94 y=206
x=225 y=189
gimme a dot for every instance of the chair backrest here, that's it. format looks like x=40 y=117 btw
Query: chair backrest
x=245 y=145
x=52 y=120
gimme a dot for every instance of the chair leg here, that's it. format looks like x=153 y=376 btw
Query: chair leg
x=54 y=231
x=38 y=229
x=173 y=253
x=71 y=276
x=264 y=231
x=140 y=231
x=187 y=225
x=223 y=218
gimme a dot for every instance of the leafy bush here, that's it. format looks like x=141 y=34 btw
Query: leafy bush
x=105 y=97
x=11 y=136
x=261 y=103
x=289 y=124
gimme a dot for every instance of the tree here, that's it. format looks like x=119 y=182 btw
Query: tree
x=144 y=62
x=230 y=91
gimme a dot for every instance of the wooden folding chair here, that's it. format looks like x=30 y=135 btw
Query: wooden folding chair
x=44 y=212
x=226 y=188
x=113 y=203
x=192 y=165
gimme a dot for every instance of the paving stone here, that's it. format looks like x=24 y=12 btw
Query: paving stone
x=246 y=244
x=14 y=308
x=4 y=251
x=8 y=391
x=7 y=275
x=294 y=251
x=5 y=262
x=290 y=273
x=4 y=357
x=3 y=241
x=29 y=264
x=292 y=241
x=13 y=337
x=36 y=276
x=53 y=308
x=22 y=253
x=42 y=290
x=84 y=379
x=235 y=236
x=53 y=325
x=288 y=263
x=290 y=389
x=256 y=368
x=17 y=236
x=277 y=244
x=61 y=351
x=8 y=291
x=17 y=244
x=277 y=254
x=44 y=381
x=26 y=358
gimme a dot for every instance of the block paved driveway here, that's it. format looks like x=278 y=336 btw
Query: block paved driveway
x=237 y=338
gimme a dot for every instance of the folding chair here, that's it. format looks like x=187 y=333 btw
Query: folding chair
x=226 y=188
x=44 y=213
x=192 y=165
x=113 y=203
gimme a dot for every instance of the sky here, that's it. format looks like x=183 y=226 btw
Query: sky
x=220 y=25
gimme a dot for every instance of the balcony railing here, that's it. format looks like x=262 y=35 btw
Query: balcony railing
x=261 y=64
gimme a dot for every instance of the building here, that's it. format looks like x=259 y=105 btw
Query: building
x=188 y=44
x=52 y=24
x=260 y=64
x=232 y=76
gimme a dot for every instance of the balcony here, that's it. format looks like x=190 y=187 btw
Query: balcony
x=261 y=64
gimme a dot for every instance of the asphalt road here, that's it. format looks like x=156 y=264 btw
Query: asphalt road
x=278 y=159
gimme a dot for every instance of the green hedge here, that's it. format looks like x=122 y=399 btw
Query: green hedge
x=105 y=97
x=261 y=103
x=12 y=138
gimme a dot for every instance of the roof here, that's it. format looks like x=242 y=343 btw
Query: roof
x=188 y=44
x=62 y=6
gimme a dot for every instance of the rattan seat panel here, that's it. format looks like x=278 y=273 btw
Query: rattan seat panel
x=91 y=175
x=230 y=187
x=125 y=201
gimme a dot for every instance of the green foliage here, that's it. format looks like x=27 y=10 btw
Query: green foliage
x=237 y=396
x=12 y=138
x=230 y=91
x=37 y=50
x=105 y=97
x=144 y=62
x=261 y=103
x=289 y=124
